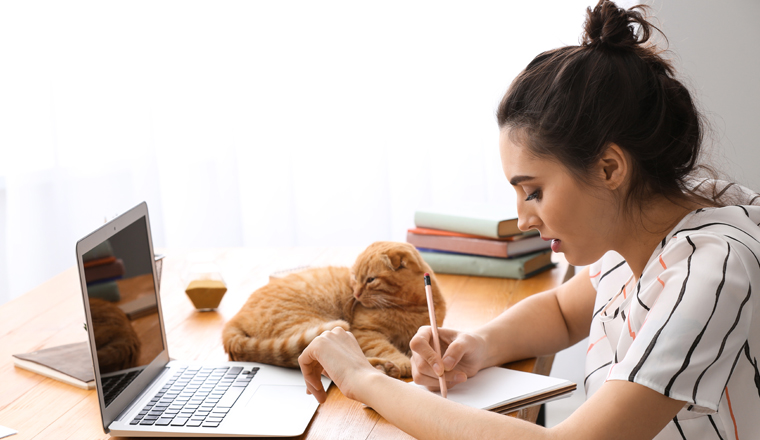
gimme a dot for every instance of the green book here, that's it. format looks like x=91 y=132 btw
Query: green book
x=463 y=264
x=484 y=220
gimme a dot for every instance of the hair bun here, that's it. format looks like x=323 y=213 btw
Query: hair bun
x=608 y=26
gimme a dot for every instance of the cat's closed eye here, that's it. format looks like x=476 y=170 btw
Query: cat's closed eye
x=370 y=279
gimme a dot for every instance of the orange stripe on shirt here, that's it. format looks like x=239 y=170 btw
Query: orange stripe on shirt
x=597 y=274
x=628 y=320
x=663 y=263
x=730 y=410
x=592 y=345
x=661 y=281
x=609 y=373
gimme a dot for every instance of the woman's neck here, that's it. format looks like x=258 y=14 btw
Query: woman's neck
x=641 y=234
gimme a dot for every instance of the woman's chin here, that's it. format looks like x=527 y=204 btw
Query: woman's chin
x=579 y=259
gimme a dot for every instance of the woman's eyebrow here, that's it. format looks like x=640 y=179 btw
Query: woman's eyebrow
x=519 y=179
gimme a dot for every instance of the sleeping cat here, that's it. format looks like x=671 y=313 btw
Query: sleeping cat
x=381 y=300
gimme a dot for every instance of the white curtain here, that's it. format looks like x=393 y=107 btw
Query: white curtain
x=247 y=123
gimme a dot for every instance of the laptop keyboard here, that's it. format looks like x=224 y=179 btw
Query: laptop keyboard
x=196 y=397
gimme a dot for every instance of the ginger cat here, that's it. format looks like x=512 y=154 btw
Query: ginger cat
x=381 y=300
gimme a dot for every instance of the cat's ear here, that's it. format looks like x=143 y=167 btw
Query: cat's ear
x=392 y=261
x=401 y=257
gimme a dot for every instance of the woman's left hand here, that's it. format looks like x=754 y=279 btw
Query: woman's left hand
x=338 y=355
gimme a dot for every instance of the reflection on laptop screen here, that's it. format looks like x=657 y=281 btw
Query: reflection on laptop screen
x=123 y=305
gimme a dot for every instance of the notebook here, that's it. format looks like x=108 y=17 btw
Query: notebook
x=68 y=363
x=141 y=391
x=504 y=391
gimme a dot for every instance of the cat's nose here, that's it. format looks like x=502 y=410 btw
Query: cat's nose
x=358 y=293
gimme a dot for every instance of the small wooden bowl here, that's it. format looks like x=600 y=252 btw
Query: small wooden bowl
x=206 y=294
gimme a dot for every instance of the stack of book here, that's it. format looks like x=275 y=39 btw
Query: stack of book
x=478 y=241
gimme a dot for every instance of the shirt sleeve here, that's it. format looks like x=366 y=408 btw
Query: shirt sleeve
x=688 y=343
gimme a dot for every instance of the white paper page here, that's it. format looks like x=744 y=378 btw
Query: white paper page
x=5 y=432
x=495 y=386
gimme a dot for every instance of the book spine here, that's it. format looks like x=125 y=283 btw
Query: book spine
x=478 y=246
x=532 y=244
x=465 y=225
x=492 y=248
x=459 y=264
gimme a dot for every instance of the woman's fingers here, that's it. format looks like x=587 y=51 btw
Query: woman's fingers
x=462 y=357
x=454 y=353
x=423 y=353
x=427 y=366
x=312 y=372
x=336 y=354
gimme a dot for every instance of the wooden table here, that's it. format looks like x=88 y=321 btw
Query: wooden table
x=52 y=314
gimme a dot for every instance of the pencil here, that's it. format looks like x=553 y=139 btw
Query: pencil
x=434 y=326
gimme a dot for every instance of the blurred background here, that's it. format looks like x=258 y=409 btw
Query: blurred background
x=246 y=123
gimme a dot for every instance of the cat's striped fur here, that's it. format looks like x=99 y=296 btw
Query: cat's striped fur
x=381 y=300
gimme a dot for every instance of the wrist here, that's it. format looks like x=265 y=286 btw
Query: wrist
x=367 y=385
x=492 y=353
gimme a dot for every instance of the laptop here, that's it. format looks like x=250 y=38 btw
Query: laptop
x=141 y=390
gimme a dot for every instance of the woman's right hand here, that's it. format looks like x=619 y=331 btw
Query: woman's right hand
x=463 y=356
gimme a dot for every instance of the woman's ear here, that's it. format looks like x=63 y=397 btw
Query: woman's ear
x=613 y=167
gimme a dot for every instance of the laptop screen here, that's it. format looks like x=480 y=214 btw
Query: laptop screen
x=123 y=305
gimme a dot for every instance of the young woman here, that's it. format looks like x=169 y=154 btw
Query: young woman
x=601 y=144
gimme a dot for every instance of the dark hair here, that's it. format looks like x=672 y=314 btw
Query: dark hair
x=571 y=103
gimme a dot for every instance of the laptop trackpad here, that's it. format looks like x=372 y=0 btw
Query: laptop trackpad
x=278 y=402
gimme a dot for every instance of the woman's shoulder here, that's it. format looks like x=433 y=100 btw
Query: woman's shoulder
x=710 y=242
x=722 y=219
x=734 y=226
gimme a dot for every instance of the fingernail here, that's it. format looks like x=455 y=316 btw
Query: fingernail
x=448 y=362
x=460 y=377
x=438 y=369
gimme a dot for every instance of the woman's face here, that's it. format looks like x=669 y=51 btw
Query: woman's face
x=578 y=219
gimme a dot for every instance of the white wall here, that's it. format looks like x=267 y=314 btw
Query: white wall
x=251 y=123
x=717 y=48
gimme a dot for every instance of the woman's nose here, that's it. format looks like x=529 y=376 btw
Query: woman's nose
x=526 y=218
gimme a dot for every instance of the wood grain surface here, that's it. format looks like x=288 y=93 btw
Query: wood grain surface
x=52 y=314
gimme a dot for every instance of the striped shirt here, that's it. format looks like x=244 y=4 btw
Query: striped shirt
x=685 y=327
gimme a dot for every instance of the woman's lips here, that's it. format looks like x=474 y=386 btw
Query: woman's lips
x=556 y=242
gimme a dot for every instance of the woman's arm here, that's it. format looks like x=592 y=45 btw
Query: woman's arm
x=541 y=324
x=538 y=325
x=622 y=410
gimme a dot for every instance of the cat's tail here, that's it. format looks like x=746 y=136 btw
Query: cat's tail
x=282 y=351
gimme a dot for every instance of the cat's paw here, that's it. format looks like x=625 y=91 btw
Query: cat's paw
x=386 y=366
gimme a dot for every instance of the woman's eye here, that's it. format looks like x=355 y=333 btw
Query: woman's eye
x=370 y=279
x=535 y=195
